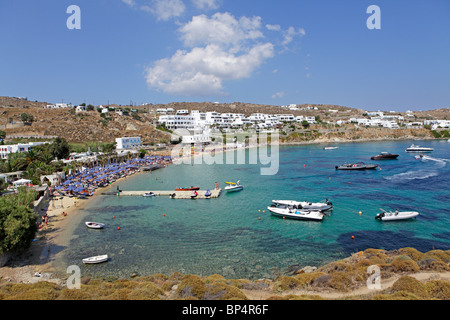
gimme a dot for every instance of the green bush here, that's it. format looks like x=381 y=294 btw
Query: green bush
x=17 y=220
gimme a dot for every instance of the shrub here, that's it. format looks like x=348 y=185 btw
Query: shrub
x=286 y=283
x=438 y=289
x=411 y=285
x=412 y=253
x=191 y=286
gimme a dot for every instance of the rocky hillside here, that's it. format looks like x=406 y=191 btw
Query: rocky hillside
x=404 y=274
x=76 y=127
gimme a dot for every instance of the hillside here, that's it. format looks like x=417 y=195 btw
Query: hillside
x=404 y=274
x=75 y=127
x=93 y=126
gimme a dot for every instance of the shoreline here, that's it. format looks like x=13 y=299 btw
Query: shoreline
x=45 y=253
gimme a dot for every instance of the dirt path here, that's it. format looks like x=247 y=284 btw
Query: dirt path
x=359 y=292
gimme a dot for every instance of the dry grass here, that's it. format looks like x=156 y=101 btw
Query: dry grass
x=341 y=277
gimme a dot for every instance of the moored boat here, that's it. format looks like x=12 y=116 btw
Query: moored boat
x=232 y=187
x=96 y=259
x=314 y=215
x=385 y=156
x=330 y=148
x=188 y=189
x=356 y=166
x=148 y=194
x=396 y=215
x=304 y=205
x=414 y=148
x=94 y=225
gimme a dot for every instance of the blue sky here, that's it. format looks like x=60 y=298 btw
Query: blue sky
x=256 y=51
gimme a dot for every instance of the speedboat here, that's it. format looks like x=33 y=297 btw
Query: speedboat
x=232 y=187
x=385 y=156
x=188 y=189
x=396 y=215
x=149 y=194
x=356 y=166
x=314 y=215
x=304 y=205
x=96 y=259
x=208 y=193
x=194 y=194
x=94 y=225
x=330 y=148
x=415 y=148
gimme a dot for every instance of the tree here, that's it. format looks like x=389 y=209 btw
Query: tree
x=17 y=220
x=59 y=148
x=25 y=117
x=305 y=124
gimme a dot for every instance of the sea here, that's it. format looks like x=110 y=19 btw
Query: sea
x=237 y=237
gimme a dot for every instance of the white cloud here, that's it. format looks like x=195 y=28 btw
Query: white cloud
x=202 y=71
x=131 y=3
x=221 y=28
x=165 y=9
x=206 y=4
x=279 y=94
x=218 y=48
x=290 y=33
x=273 y=27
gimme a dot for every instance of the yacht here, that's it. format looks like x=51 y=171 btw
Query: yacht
x=415 y=148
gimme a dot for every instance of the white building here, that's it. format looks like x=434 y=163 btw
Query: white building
x=182 y=112
x=128 y=143
x=173 y=122
x=5 y=150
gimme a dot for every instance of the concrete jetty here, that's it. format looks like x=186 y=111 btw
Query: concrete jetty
x=215 y=193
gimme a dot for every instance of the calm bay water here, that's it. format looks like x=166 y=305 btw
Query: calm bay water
x=232 y=236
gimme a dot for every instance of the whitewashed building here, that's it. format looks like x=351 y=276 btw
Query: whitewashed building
x=127 y=143
x=5 y=150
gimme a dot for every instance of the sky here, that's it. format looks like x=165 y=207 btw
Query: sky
x=255 y=51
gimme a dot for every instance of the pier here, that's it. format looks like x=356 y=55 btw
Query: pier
x=215 y=193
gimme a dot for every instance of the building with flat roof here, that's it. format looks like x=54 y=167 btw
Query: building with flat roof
x=128 y=143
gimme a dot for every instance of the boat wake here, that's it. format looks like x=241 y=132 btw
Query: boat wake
x=442 y=162
x=421 y=174
x=413 y=175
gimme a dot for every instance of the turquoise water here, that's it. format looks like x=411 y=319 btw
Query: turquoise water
x=232 y=235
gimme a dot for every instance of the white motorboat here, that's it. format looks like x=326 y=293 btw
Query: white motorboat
x=94 y=225
x=232 y=187
x=314 y=215
x=148 y=194
x=414 y=148
x=322 y=206
x=356 y=166
x=396 y=215
x=96 y=259
x=330 y=148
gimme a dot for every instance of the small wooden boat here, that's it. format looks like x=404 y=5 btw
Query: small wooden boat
x=188 y=189
x=96 y=259
x=94 y=225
